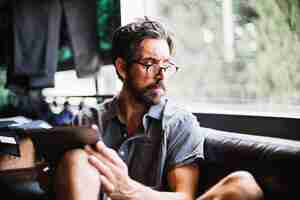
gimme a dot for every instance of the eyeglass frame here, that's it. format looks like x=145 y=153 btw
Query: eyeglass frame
x=148 y=66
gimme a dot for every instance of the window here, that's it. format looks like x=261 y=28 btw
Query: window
x=236 y=56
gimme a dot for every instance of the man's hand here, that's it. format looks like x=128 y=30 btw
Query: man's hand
x=113 y=171
x=117 y=184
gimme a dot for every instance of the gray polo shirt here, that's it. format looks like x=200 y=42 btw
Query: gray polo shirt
x=170 y=137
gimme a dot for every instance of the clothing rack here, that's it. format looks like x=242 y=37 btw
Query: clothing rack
x=99 y=98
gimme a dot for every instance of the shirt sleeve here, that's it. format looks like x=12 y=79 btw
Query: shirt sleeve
x=185 y=141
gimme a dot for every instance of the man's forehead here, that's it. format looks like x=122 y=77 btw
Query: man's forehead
x=154 y=48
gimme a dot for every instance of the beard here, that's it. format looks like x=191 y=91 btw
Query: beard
x=149 y=95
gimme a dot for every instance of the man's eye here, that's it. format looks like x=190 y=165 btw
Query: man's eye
x=170 y=62
x=148 y=64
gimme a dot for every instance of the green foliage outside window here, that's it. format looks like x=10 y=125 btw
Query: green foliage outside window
x=278 y=51
x=266 y=65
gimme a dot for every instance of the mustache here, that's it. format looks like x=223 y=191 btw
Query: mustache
x=160 y=84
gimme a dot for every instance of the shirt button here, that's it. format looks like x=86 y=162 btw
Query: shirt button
x=125 y=135
x=122 y=153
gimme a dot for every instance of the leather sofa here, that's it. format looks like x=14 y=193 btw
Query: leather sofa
x=274 y=162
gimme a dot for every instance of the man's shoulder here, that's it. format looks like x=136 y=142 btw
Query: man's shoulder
x=175 y=109
x=176 y=112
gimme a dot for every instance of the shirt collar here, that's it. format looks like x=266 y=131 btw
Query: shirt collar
x=111 y=108
x=155 y=111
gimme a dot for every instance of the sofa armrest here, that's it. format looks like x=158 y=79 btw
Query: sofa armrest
x=229 y=147
x=274 y=162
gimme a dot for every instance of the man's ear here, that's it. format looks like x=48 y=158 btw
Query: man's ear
x=121 y=68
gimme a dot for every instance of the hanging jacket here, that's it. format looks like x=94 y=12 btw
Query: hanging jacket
x=37 y=25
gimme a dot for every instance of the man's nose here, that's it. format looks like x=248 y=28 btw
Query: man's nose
x=161 y=74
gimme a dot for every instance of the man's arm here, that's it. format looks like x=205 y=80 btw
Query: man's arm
x=185 y=179
x=117 y=184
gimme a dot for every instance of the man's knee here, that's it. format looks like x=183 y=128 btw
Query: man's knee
x=73 y=157
x=74 y=165
x=239 y=185
x=243 y=185
x=69 y=165
x=238 y=176
x=73 y=174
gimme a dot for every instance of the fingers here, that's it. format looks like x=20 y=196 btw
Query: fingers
x=101 y=151
x=107 y=177
x=108 y=187
x=95 y=127
x=111 y=174
x=90 y=150
x=99 y=161
x=109 y=153
x=104 y=169
x=107 y=157
x=113 y=171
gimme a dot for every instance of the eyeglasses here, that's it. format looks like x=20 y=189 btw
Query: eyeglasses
x=154 y=66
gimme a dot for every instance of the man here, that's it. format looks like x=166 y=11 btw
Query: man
x=150 y=147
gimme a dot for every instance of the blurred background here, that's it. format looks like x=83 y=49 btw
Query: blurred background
x=235 y=56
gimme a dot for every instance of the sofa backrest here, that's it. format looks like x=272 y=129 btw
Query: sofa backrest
x=274 y=162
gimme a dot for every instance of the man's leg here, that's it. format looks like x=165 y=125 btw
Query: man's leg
x=239 y=185
x=75 y=178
